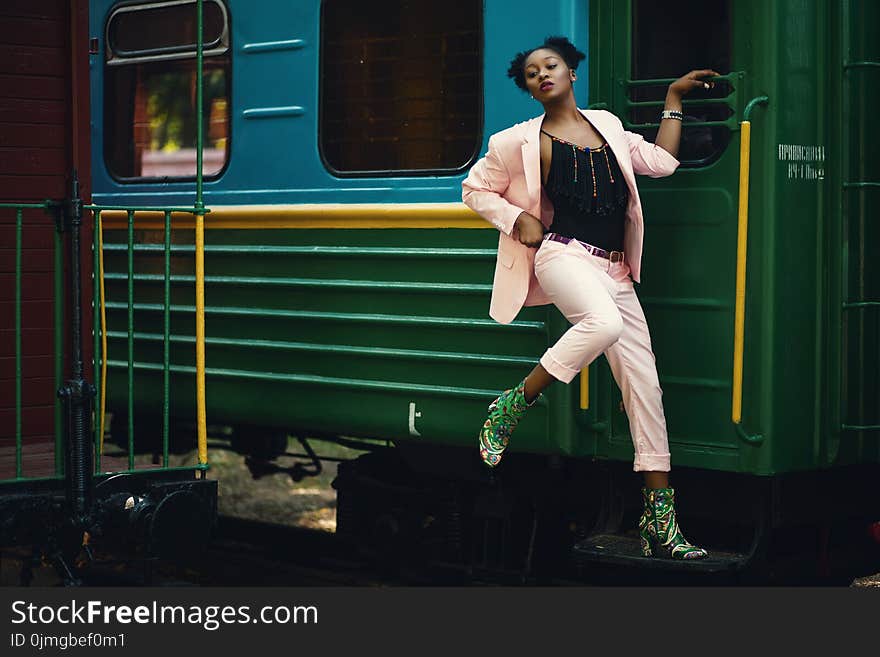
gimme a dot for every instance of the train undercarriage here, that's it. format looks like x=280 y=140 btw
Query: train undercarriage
x=165 y=515
x=544 y=519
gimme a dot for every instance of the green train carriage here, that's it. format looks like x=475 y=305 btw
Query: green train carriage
x=347 y=287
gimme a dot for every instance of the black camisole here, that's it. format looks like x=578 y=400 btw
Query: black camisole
x=589 y=194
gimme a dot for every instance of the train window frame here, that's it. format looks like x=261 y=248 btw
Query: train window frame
x=114 y=59
x=722 y=90
x=407 y=173
x=122 y=57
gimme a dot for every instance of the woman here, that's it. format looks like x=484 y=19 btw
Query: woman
x=561 y=189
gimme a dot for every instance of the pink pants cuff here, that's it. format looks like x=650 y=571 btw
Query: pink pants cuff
x=556 y=369
x=651 y=463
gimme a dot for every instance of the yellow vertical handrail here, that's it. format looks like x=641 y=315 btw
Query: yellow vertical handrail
x=200 y=250
x=585 y=388
x=741 y=256
x=741 y=251
x=200 y=338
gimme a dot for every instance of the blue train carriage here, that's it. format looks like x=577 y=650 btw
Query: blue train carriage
x=348 y=287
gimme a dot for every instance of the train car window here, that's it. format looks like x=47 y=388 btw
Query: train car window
x=401 y=86
x=668 y=40
x=153 y=30
x=150 y=121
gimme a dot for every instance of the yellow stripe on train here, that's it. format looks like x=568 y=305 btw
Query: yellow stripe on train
x=312 y=215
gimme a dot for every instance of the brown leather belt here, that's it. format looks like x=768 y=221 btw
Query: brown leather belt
x=613 y=256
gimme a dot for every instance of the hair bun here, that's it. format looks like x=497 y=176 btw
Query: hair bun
x=564 y=47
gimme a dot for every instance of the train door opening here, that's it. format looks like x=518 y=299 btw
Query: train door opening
x=637 y=49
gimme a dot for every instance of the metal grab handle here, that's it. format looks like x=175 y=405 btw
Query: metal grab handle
x=585 y=388
x=741 y=252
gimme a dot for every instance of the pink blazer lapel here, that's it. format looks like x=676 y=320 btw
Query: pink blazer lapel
x=531 y=157
x=597 y=120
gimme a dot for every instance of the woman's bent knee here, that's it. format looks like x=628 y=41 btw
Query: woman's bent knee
x=597 y=332
x=609 y=328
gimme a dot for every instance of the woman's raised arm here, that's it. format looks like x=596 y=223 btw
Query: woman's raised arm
x=669 y=136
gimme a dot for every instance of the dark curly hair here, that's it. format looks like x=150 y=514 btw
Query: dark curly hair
x=570 y=55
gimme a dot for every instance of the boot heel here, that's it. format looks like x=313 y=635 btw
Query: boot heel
x=647 y=550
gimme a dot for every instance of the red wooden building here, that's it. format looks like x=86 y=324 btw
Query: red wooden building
x=44 y=136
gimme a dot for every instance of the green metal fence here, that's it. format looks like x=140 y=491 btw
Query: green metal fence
x=19 y=208
x=100 y=333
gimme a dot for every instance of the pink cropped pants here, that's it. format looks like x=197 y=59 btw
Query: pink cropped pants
x=598 y=298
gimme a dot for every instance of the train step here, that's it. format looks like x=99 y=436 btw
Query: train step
x=624 y=550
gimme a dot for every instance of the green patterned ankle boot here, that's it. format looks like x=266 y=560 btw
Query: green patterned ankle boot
x=504 y=414
x=658 y=529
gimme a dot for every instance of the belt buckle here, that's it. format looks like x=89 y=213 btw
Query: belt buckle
x=615 y=256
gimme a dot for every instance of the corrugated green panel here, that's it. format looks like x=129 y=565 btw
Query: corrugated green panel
x=333 y=331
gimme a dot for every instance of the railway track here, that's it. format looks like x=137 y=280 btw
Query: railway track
x=241 y=553
x=293 y=556
x=255 y=553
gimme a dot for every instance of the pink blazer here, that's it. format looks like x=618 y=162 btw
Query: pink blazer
x=508 y=180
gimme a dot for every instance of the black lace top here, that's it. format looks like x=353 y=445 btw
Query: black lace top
x=589 y=194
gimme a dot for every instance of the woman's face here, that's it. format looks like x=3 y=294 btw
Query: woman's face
x=547 y=76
